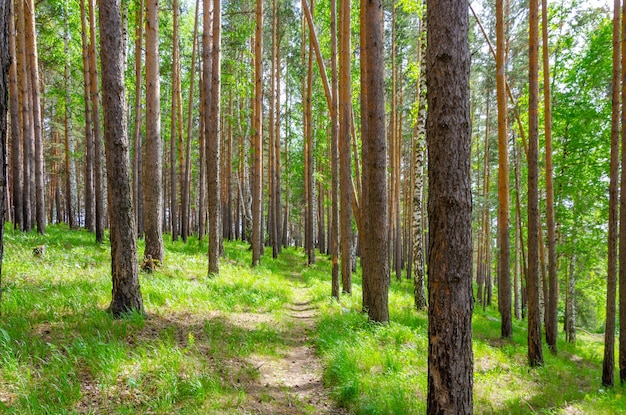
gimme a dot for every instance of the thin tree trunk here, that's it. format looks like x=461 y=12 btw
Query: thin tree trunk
x=608 y=363
x=35 y=96
x=70 y=165
x=97 y=135
x=137 y=134
x=152 y=167
x=186 y=197
x=5 y=64
x=89 y=139
x=419 y=151
x=174 y=123
x=535 y=353
x=504 y=262
x=257 y=139
x=552 y=300
x=16 y=134
x=334 y=149
x=570 y=302
x=212 y=130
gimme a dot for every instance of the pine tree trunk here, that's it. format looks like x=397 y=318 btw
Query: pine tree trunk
x=89 y=140
x=257 y=139
x=16 y=134
x=175 y=121
x=152 y=167
x=5 y=63
x=137 y=134
x=504 y=261
x=35 y=96
x=608 y=363
x=375 y=215
x=70 y=165
x=450 y=373
x=126 y=295
x=97 y=135
x=212 y=130
x=535 y=353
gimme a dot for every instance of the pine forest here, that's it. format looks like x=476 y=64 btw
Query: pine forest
x=312 y=207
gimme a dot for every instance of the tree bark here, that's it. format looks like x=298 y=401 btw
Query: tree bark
x=419 y=151
x=175 y=121
x=70 y=165
x=126 y=294
x=212 y=130
x=622 y=211
x=608 y=363
x=5 y=64
x=374 y=153
x=448 y=130
x=152 y=168
x=89 y=140
x=257 y=139
x=97 y=135
x=137 y=134
x=35 y=96
x=345 y=127
x=16 y=136
x=504 y=263
x=552 y=300
x=535 y=353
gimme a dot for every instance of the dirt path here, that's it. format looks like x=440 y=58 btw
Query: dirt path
x=290 y=383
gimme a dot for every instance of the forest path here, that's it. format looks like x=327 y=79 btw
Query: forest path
x=290 y=383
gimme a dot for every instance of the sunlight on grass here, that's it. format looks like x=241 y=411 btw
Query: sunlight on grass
x=202 y=338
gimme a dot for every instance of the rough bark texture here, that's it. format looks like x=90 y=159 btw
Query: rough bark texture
x=70 y=165
x=622 y=213
x=535 y=352
x=334 y=136
x=35 y=97
x=374 y=153
x=450 y=362
x=552 y=300
x=95 y=120
x=175 y=121
x=89 y=187
x=26 y=116
x=345 y=126
x=153 y=165
x=257 y=138
x=504 y=266
x=212 y=129
x=126 y=294
x=608 y=364
x=5 y=63
x=16 y=136
x=419 y=150
x=137 y=134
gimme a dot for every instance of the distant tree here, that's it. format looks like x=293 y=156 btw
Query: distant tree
x=375 y=259
x=5 y=63
x=535 y=353
x=212 y=131
x=345 y=126
x=37 y=117
x=95 y=122
x=608 y=363
x=450 y=363
x=257 y=138
x=16 y=140
x=126 y=294
x=553 y=298
x=152 y=166
x=504 y=239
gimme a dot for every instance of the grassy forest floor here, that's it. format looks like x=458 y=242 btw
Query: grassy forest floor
x=251 y=341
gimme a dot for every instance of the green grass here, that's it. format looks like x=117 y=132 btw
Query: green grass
x=374 y=369
x=61 y=353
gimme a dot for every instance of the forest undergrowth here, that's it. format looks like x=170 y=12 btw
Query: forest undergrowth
x=211 y=345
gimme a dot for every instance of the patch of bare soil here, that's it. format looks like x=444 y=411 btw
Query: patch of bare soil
x=292 y=382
